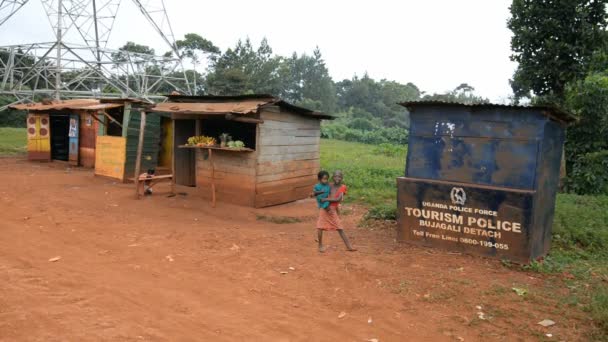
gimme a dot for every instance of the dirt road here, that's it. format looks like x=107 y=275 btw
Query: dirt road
x=175 y=269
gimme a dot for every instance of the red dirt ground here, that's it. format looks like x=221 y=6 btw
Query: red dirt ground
x=175 y=269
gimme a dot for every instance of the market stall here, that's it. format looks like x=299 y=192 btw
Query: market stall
x=253 y=150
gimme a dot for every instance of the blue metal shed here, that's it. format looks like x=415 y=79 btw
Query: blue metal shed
x=481 y=179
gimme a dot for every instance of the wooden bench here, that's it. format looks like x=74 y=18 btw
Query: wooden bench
x=151 y=179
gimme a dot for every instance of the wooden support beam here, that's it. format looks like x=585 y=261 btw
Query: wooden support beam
x=212 y=178
x=140 y=147
x=126 y=117
x=173 y=148
x=233 y=117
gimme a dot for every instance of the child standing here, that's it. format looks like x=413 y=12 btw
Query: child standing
x=322 y=189
x=328 y=218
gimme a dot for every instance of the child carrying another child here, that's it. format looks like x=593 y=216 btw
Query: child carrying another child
x=328 y=203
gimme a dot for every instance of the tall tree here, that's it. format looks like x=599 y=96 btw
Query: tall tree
x=243 y=69
x=130 y=47
x=554 y=42
x=195 y=47
x=464 y=93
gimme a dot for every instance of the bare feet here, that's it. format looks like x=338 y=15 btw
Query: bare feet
x=322 y=249
x=351 y=249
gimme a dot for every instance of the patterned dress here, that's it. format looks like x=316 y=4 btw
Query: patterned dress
x=329 y=218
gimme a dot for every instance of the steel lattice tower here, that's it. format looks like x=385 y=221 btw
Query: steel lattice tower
x=88 y=68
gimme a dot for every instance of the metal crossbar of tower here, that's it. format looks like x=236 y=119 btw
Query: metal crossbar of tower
x=88 y=68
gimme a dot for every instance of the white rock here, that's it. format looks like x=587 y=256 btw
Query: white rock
x=546 y=323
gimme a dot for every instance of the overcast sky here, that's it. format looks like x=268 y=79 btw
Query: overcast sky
x=435 y=44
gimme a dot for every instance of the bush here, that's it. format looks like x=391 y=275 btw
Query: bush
x=13 y=118
x=589 y=100
x=589 y=174
x=391 y=135
x=389 y=150
x=382 y=212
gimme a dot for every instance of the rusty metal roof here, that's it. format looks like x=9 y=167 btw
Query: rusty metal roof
x=240 y=107
x=218 y=98
x=219 y=105
x=75 y=104
x=553 y=113
x=124 y=99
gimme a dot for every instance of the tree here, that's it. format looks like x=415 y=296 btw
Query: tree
x=378 y=98
x=131 y=48
x=306 y=78
x=244 y=70
x=588 y=99
x=554 y=42
x=464 y=93
x=195 y=47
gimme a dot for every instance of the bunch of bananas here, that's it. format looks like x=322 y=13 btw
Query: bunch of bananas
x=201 y=140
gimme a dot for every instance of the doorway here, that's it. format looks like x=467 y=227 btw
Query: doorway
x=60 y=141
x=185 y=162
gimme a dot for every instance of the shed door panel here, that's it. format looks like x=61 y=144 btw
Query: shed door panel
x=73 y=138
x=38 y=137
x=474 y=160
x=185 y=167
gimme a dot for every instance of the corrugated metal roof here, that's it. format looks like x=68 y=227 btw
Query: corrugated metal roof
x=551 y=112
x=75 y=104
x=218 y=105
x=218 y=98
x=240 y=107
x=124 y=99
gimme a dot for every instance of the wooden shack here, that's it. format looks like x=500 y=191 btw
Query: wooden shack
x=117 y=141
x=64 y=130
x=94 y=133
x=278 y=164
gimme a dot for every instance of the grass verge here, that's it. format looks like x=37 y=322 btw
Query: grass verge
x=12 y=141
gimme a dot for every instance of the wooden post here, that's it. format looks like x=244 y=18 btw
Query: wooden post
x=212 y=177
x=198 y=127
x=173 y=147
x=140 y=147
x=126 y=116
x=198 y=130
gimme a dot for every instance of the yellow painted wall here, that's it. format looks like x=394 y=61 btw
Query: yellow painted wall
x=110 y=156
x=38 y=137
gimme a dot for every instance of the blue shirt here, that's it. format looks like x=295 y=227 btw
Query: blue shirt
x=326 y=189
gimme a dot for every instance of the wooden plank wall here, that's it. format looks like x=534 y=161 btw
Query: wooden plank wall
x=288 y=157
x=234 y=176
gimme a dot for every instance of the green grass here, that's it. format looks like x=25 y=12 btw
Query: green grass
x=12 y=140
x=579 y=253
x=369 y=171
